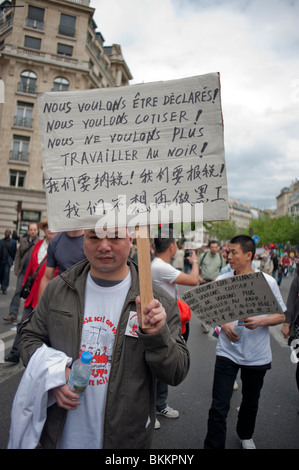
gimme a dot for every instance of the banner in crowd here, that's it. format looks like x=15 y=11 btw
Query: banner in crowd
x=232 y=299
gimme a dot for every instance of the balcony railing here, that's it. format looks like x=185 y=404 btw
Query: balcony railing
x=6 y=25
x=19 y=156
x=11 y=49
x=28 y=87
x=31 y=23
x=80 y=2
x=23 y=121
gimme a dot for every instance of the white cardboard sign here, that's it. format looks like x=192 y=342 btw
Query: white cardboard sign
x=231 y=299
x=139 y=154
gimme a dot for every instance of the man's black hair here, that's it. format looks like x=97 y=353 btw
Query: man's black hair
x=212 y=241
x=162 y=243
x=246 y=243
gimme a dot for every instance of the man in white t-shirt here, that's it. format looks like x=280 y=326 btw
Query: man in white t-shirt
x=252 y=355
x=164 y=274
x=95 y=306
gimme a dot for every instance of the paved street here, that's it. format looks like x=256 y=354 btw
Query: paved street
x=277 y=423
x=7 y=330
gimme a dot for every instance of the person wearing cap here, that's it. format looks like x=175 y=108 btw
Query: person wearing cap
x=21 y=261
x=37 y=261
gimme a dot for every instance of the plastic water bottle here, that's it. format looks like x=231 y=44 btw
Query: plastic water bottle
x=239 y=328
x=80 y=373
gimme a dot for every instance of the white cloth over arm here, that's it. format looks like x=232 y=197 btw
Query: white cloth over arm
x=45 y=371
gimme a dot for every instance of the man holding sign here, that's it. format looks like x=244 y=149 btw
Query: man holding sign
x=95 y=307
x=251 y=353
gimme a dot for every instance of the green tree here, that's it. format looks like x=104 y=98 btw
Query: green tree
x=223 y=230
x=276 y=230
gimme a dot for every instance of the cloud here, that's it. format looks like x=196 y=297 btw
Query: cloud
x=254 y=46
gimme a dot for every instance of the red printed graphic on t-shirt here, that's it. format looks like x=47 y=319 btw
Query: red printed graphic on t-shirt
x=98 y=338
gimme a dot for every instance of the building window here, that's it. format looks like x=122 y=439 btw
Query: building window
x=30 y=216
x=23 y=117
x=60 y=84
x=32 y=43
x=67 y=25
x=20 y=148
x=35 y=18
x=17 y=178
x=28 y=82
x=64 y=49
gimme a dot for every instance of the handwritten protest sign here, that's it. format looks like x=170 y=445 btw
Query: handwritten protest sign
x=231 y=299
x=134 y=155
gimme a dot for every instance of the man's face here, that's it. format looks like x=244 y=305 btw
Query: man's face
x=213 y=248
x=237 y=258
x=32 y=230
x=108 y=253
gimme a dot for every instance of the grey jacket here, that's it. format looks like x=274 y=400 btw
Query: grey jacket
x=136 y=363
x=25 y=249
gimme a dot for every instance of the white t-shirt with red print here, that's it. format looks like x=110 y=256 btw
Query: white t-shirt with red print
x=83 y=428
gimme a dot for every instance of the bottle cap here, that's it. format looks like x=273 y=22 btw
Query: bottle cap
x=86 y=357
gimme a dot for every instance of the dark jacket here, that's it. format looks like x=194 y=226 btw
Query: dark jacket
x=292 y=312
x=136 y=363
x=25 y=249
x=10 y=250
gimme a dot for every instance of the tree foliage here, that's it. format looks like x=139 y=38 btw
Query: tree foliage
x=279 y=230
x=222 y=231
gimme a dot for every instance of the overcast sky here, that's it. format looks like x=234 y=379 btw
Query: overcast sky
x=254 y=45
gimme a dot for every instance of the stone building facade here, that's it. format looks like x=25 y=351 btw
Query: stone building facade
x=287 y=202
x=45 y=45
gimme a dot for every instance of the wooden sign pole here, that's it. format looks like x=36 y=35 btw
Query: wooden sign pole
x=144 y=268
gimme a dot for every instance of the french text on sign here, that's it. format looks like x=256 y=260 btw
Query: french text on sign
x=155 y=145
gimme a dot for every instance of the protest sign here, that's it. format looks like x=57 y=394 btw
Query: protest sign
x=231 y=299
x=134 y=155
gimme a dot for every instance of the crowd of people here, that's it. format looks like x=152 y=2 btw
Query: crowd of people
x=278 y=264
x=85 y=297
